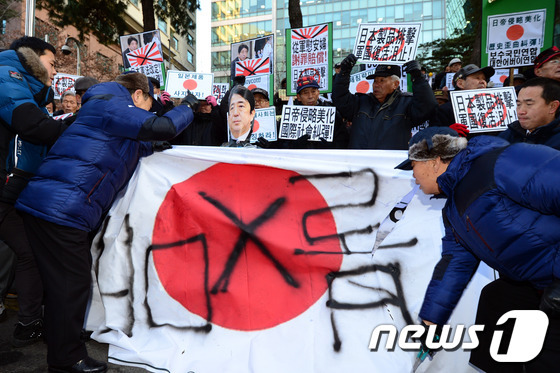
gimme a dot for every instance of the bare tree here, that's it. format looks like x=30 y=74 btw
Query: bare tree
x=294 y=11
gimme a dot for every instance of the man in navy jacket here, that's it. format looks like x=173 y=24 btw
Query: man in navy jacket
x=64 y=204
x=503 y=208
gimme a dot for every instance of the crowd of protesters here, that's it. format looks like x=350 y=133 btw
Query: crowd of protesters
x=68 y=172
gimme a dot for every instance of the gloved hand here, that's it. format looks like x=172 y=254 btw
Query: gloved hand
x=413 y=69
x=191 y=101
x=159 y=146
x=424 y=349
x=550 y=300
x=211 y=100
x=164 y=97
x=263 y=143
x=238 y=80
x=347 y=64
x=301 y=143
x=460 y=128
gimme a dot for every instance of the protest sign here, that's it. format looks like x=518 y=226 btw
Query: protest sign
x=500 y=75
x=142 y=53
x=386 y=42
x=315 y=121
x=515 y=39
x=261 y=81
x=219 y=90
x=309 y=53
x=264 y=125
x=485 y=110
x=253 y=57
x=180 y=83
x=62 y=83
x=237 y=260
x=514 y=32
x=359 y=83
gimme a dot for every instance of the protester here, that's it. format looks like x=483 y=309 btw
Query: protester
x=26 y=74
x=69 y=103
x=452 y=67
x=503 y=209
x=547 y=64
x=383 y=119
x=75 y=186
x=82 y=85
x=518 y=79
x=467 y=78
x=262 y=100
x=201 y=131
x=538 y=110
x=241 y=117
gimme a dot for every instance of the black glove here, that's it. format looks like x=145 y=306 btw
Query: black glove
x=159 y=146
x=550 y=301
x=263 y=143
x=347 y=64
x=238 y=80
x=413 y=69
x=301 y=142
x=191 y=101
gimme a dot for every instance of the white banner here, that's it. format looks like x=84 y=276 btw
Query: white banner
x=180 y=83
x=260 y=81
x=359 y=83
x=250 y=260
x=315 y=121
x=515 y=39
x=62 y=83
x=265 y=124
x=485 y=110
x=385 y=42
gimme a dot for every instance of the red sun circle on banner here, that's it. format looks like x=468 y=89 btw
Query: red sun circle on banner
x=190 y=84
x=515 y=32
x=503 y=78
x=362 y=87
x=251 y=87
x=256 y=126
x=251 y=219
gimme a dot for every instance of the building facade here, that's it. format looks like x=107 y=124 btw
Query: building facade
x=237 y=20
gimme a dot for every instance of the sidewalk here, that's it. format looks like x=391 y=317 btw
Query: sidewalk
x=34 y=357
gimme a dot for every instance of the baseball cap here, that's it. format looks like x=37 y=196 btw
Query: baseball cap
x=261 y=91
x=454 y=61
x=431 y=143
x=385 y=70
x=472 y=69
x=546 y=55
x=306 y=82
x=83 y=83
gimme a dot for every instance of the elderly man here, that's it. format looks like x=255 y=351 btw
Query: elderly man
x=262 y=100
x=547 y=64
x=538 y=108
x=69 y=103
x=383 y=119
x=453 y=66
x=503 y=208
x=467 y=78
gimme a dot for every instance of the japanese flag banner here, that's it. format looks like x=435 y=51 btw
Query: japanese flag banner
x=62 y=83
x=180 y=83
x=250 y=260
x=255 y=66
x=147 y=55
x=387 y=43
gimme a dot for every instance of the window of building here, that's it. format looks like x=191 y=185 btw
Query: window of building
x=4 y=23
x=190 y=40
x=175 y=42
x=135 y=2
x=162 y=25
x=190 y=57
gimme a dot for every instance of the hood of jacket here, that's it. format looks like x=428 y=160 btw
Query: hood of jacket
x=28 y=64
x=461 y=163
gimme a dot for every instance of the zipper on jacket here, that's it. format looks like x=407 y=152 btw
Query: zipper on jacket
x=95 y=186
x=478 y=234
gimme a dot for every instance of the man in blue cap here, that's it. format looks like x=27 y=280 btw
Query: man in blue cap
x=503 y=208
x=383 y=119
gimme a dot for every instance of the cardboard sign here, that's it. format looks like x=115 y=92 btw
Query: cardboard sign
x=500 y=76
x=485 y=110
x=180 y=83
x=154 y=71
x=260 y=81
x=515 y=39
x=253 y=57
x=219 y=90
x=315 y=121
x=142 y=53
x=62 y=83
x=309 y=53
x=384 y=42
x=265 y=124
